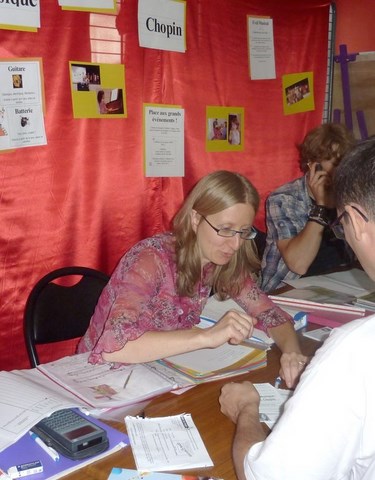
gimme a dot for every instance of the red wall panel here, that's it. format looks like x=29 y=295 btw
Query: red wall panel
x=83 y=198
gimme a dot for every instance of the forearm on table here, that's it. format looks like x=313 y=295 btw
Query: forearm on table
x=248 y=432
x=300 y=251
x=155 y=345
x=285 y=338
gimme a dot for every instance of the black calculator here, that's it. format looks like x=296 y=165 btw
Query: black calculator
x=72 y=434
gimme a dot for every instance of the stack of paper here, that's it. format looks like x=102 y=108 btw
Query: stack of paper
x=366 y=301
x=352 y=282
x=166 y=443
x=322 y=306
x=103 y=387
x=317 y=294
x=215 y=309
x=213 y=363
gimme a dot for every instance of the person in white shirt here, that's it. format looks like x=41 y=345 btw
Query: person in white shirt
x=327 y=430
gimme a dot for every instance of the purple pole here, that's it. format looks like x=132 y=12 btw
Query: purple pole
x=344 y=58
x=362 y=124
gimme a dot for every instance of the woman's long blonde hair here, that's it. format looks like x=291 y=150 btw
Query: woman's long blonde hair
x=212 y=194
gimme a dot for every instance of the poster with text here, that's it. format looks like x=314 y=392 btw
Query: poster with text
x=261 y=48
x=21 y=104
x=298 y=93
x=225 y=129
x=162 y=24
x=20 y=15
x=98 y=90
x=104 y=6
x=163 y=129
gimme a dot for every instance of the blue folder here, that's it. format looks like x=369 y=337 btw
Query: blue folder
x=26 y=450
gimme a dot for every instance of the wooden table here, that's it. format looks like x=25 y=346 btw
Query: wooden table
x=202 y=403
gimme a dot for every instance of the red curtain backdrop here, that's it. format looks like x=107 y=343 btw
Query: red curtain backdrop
x=355 y=25
x=83 y=199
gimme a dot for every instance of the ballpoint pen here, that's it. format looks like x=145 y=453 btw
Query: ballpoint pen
x=278 y=382
x=49 y=450
x=127 y=379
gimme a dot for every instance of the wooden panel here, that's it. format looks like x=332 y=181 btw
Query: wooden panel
x=362 y=91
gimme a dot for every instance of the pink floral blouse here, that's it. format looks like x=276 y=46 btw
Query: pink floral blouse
x=141 y=296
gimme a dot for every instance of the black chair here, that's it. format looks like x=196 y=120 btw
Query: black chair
x=55 y=313
x=260 y=242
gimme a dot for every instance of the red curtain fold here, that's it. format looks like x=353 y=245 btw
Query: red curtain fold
x=83 y=199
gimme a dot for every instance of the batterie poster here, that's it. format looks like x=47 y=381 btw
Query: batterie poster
x=298 y=93
x=21 y=104
x=225 y=127
x=98 y=90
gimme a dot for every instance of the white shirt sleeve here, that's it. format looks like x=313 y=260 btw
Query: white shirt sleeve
x=324 y=432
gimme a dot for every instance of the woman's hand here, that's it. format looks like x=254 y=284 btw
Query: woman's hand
x=233 y=327
x=292 y=365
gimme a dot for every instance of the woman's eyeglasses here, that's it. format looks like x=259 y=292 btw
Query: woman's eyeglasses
x=337 y=227
x=245 y=234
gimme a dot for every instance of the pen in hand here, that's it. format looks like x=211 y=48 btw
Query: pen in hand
x=49 y=450
x=278 y=382
x=127 y=379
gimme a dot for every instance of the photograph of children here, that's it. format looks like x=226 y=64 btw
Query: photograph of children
x=297 y=92
x=217 y=128
x=234 y=136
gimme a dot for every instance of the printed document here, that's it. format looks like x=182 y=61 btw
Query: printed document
x=166 y=443
x=272 y=402
x=29 y=395
x=101 y=386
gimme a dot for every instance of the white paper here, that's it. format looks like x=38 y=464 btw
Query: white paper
x=272 y=402
x=164 y=141
x=94 y=4
x=318 y=295
x=208 y=360
x=166 y=443
x=103 y=387
x=162 y=24
x=319 y=334
x=26 y=398
x=215 y=309
x=352 y=282
x=21 y=105
x=20 y=14
x=261 y=48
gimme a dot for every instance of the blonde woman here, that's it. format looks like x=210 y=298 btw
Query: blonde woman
x=160 y=286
